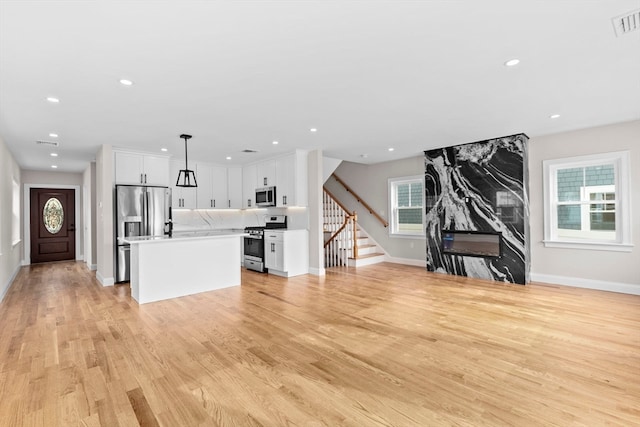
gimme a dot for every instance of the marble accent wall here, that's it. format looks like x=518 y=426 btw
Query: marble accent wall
x=481 y=186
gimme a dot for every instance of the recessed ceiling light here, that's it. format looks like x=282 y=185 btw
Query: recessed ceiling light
x=53 y=135
x=164 y=149
x=391 y=149
x=228 y=157
x=126 y=82
x=54 y=154
x=554 y=116
x=54 y=167
x=52 y=99
x=313 y=130
x=275 y=142
x=512 y=62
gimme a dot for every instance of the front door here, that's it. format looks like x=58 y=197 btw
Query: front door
x=53 y=224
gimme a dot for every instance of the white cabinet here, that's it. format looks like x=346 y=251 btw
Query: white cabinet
x=204 y=191
x=234 y=187
x=219 y=187
x=274 y=250
x=266 y=173
x=181 y=197
x=212 y=186
x=139 y=168
x=287 y=173
x=291 y=180
x=249 y=179
x=219 y=194
x=286 y=252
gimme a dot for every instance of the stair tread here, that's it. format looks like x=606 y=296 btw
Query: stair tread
x=369 y=255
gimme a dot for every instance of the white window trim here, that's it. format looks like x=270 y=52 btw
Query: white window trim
x=392 y=182
x=622 y=242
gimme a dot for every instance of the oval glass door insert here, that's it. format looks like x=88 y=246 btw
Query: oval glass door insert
x=53 y=215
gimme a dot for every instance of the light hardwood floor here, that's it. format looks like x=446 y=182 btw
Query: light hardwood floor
x=383 y=345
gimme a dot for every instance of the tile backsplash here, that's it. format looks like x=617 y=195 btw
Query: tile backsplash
x=208 y=219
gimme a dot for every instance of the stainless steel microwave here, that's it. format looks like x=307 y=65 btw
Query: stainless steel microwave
x=266 y=197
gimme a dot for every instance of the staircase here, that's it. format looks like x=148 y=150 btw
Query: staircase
x=368 y=252
x=346 y=244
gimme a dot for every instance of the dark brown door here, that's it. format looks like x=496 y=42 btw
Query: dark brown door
x=53 y=224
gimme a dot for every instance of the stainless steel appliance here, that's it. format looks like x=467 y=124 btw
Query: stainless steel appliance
x=254 y=242
x=140 y=211
x=266 y=197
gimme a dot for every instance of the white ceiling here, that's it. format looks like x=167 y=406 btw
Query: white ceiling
x=369 y=75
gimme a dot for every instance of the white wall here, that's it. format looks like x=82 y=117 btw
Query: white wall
x=371 y=183
x=89 y=214
x=10 y=254
x=618 y=271
x=104 y=215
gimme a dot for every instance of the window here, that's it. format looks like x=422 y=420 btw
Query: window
x=587 y=202
x=406 y=201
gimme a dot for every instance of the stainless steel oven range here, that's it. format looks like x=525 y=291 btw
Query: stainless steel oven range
x=254 y=242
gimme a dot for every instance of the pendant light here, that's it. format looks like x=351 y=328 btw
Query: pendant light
x=187 y=175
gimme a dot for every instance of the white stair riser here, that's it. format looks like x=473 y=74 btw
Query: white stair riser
x=368 y=250
x=365 y=261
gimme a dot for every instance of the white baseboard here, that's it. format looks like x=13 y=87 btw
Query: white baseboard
x=407 y=261
x=91 y=267
x=317 y=271
x=10 y=282
x=601 y=285
x=105 y=281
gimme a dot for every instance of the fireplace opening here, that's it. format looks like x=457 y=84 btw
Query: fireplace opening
x=472 y=243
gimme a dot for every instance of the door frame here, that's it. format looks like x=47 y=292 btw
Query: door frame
x=27 y=219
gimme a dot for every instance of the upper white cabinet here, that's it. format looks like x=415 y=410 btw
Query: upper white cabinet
x=235 y=187
x=291 y=180
x=219 y=187
x=182 y=197
x=249 y=179
x=266 y=173
x=212 y=186
x=139 y=168
x=287 y=173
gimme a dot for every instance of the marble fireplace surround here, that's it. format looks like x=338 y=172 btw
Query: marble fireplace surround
x=480 y=187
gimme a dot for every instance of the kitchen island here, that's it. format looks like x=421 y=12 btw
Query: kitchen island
x=185 y=263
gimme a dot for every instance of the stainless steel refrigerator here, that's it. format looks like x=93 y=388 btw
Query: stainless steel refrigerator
x=140 y=211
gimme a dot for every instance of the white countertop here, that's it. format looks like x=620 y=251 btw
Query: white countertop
x=185 y=235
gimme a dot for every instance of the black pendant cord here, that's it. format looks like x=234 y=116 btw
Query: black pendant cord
x=186 y=156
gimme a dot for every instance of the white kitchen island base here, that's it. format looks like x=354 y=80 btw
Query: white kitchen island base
x=175 y=267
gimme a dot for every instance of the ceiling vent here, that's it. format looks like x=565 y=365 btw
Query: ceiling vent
x=248 y=150
x=627 y=23
x=49 y=143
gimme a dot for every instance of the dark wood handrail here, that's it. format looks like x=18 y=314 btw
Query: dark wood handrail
x=359 y=200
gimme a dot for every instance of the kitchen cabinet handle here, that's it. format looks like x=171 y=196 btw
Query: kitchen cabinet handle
x=265 y=180
x=214 y=203
x=273 y=247
x=141 y=181
x=248 y=203
x=211 y=202
x=229 y=203
x=145 y=178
